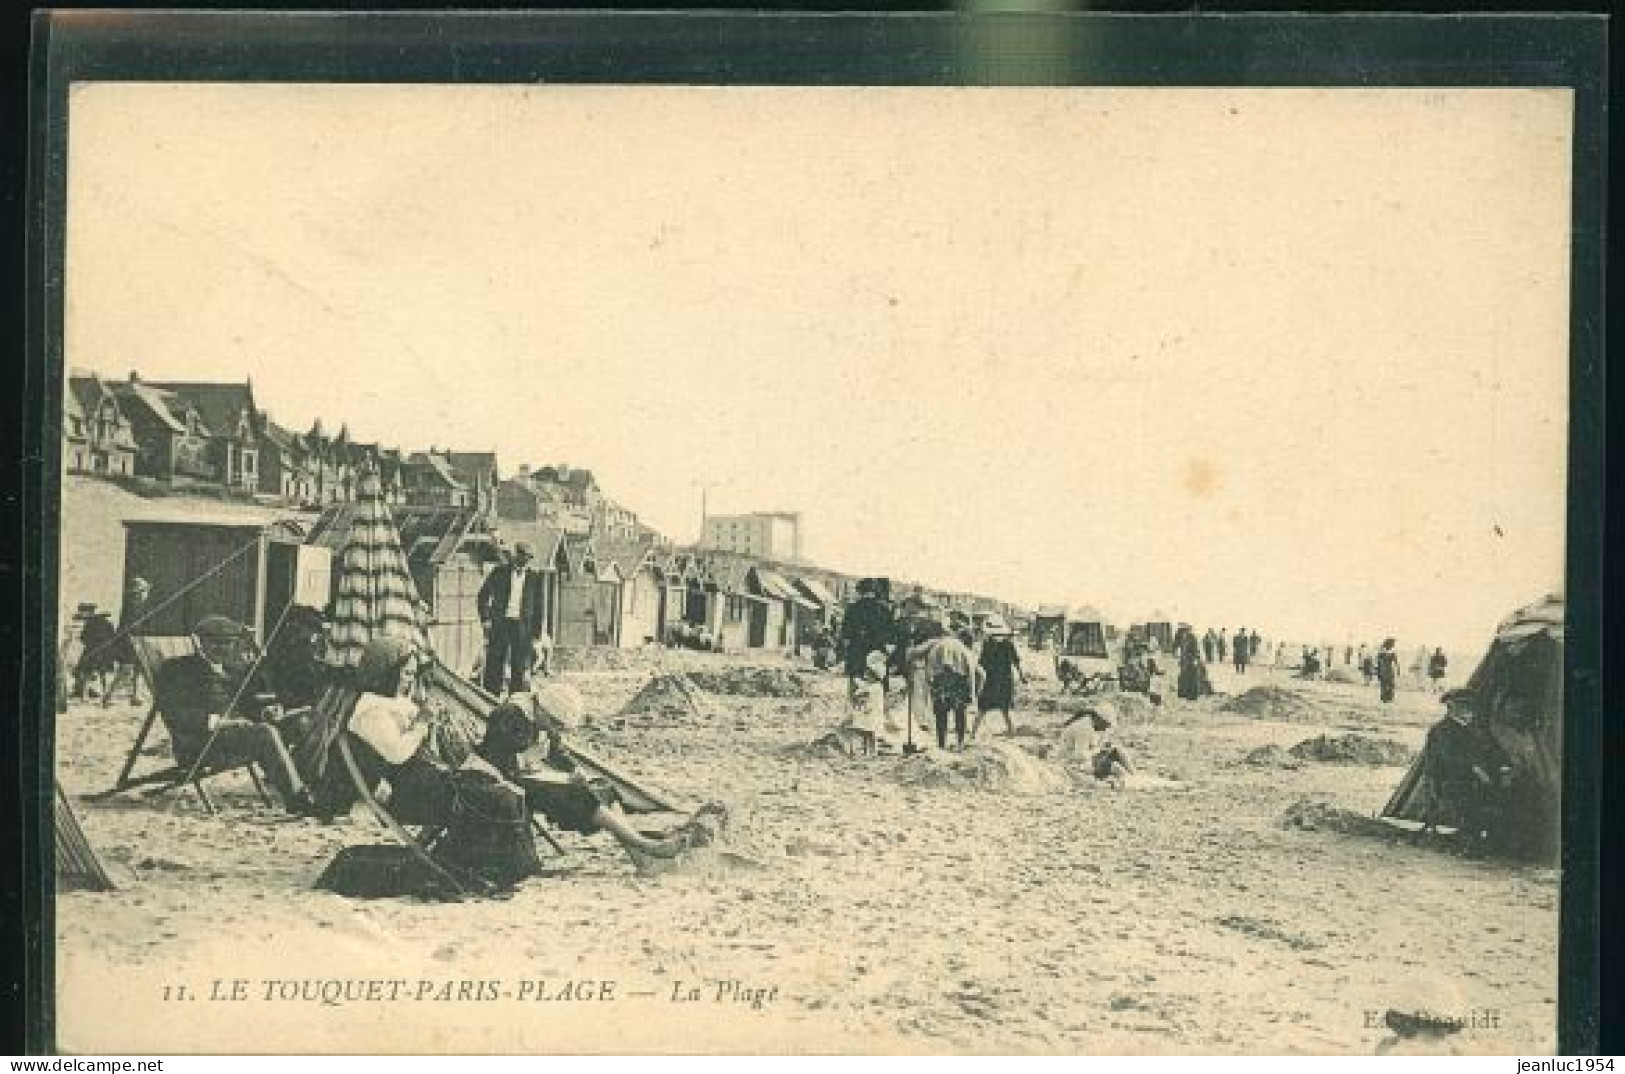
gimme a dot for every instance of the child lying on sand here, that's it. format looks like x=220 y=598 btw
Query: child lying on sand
x=1109 y=761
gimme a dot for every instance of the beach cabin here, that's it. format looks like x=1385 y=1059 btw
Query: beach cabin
x=1086 y=634
x=777 y=624
x=250 y=570
x=642 y=593
x=589 y=596
x=1048 y=626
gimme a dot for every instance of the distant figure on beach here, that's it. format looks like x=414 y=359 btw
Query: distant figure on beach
x=1224 y=650
x=955 y=679
x=131 y=621
x=1437 y=663
x=1310 y=666
x=1387 y=670
x=1255 y=646
x=1193 y=682
x=1241 y=649
x=1280 y=654
x=98 y=659
x=1210 y=646
x=543 y=665
x=915 y=630
x=510 y=609
x=866 y=704
x=1001 y=668
x=1368 y=666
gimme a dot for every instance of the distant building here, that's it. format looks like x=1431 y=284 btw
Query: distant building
x=98 y=437
x=765 y=534
x=569 y=499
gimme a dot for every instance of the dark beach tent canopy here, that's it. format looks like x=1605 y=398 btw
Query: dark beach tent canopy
x=1518 y=691
x=1086 y=633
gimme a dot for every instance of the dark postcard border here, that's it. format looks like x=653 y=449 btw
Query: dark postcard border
x=830 y=49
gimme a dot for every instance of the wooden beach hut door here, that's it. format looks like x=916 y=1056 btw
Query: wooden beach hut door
x=757 y=638
x=295 y=574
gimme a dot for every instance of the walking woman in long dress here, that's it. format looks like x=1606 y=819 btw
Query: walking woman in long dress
x=1193 y=681
x=1387 y=671
x=1001 y=667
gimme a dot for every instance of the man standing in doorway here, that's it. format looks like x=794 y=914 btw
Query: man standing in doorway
x=510 y=607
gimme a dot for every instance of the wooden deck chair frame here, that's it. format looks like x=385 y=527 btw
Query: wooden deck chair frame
x=152 y=651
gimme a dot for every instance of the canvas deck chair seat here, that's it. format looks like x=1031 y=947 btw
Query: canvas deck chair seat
x=152 y=652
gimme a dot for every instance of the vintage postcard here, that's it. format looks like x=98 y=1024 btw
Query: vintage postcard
x=718 y=568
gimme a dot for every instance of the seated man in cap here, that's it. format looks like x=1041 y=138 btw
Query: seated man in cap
x=214 y=716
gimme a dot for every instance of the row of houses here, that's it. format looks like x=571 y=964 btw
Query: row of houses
x=189 y=435
x=214 y=436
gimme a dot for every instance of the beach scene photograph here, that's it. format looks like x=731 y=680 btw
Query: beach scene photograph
x=556 y=569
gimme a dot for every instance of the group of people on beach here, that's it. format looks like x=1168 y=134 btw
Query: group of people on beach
x=946 y=666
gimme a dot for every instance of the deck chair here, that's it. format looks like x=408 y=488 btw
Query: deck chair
x=333 y=742
x=152 y=652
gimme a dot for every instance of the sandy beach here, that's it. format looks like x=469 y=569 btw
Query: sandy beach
x=924 y=904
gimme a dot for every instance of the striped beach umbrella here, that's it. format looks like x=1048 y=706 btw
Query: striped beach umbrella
x=376 y=596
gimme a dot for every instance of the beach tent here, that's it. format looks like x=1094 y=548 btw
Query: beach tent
x=77 y=867
x=1518 y=691
x=1048 y=625
x=1161 y=633
x=1085 y=634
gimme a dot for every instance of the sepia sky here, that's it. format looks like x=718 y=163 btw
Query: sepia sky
x=1295 y=359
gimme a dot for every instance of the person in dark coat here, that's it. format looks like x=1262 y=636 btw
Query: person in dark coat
x=1469 y=773
x=98 y=658
x=867 y=626
x=294 y=668
x=1210 y=646
x=1437 y=663
x=510 y=609
x=1387 y=671
x=1001 y=668
x=1241 y=650
x=1193 y=681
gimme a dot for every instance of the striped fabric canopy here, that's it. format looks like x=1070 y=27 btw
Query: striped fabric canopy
x=376 y=595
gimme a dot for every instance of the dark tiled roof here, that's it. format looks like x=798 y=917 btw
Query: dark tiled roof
x=218 y=404
x=437 y=465
x=159 y=404
x=430 y=532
